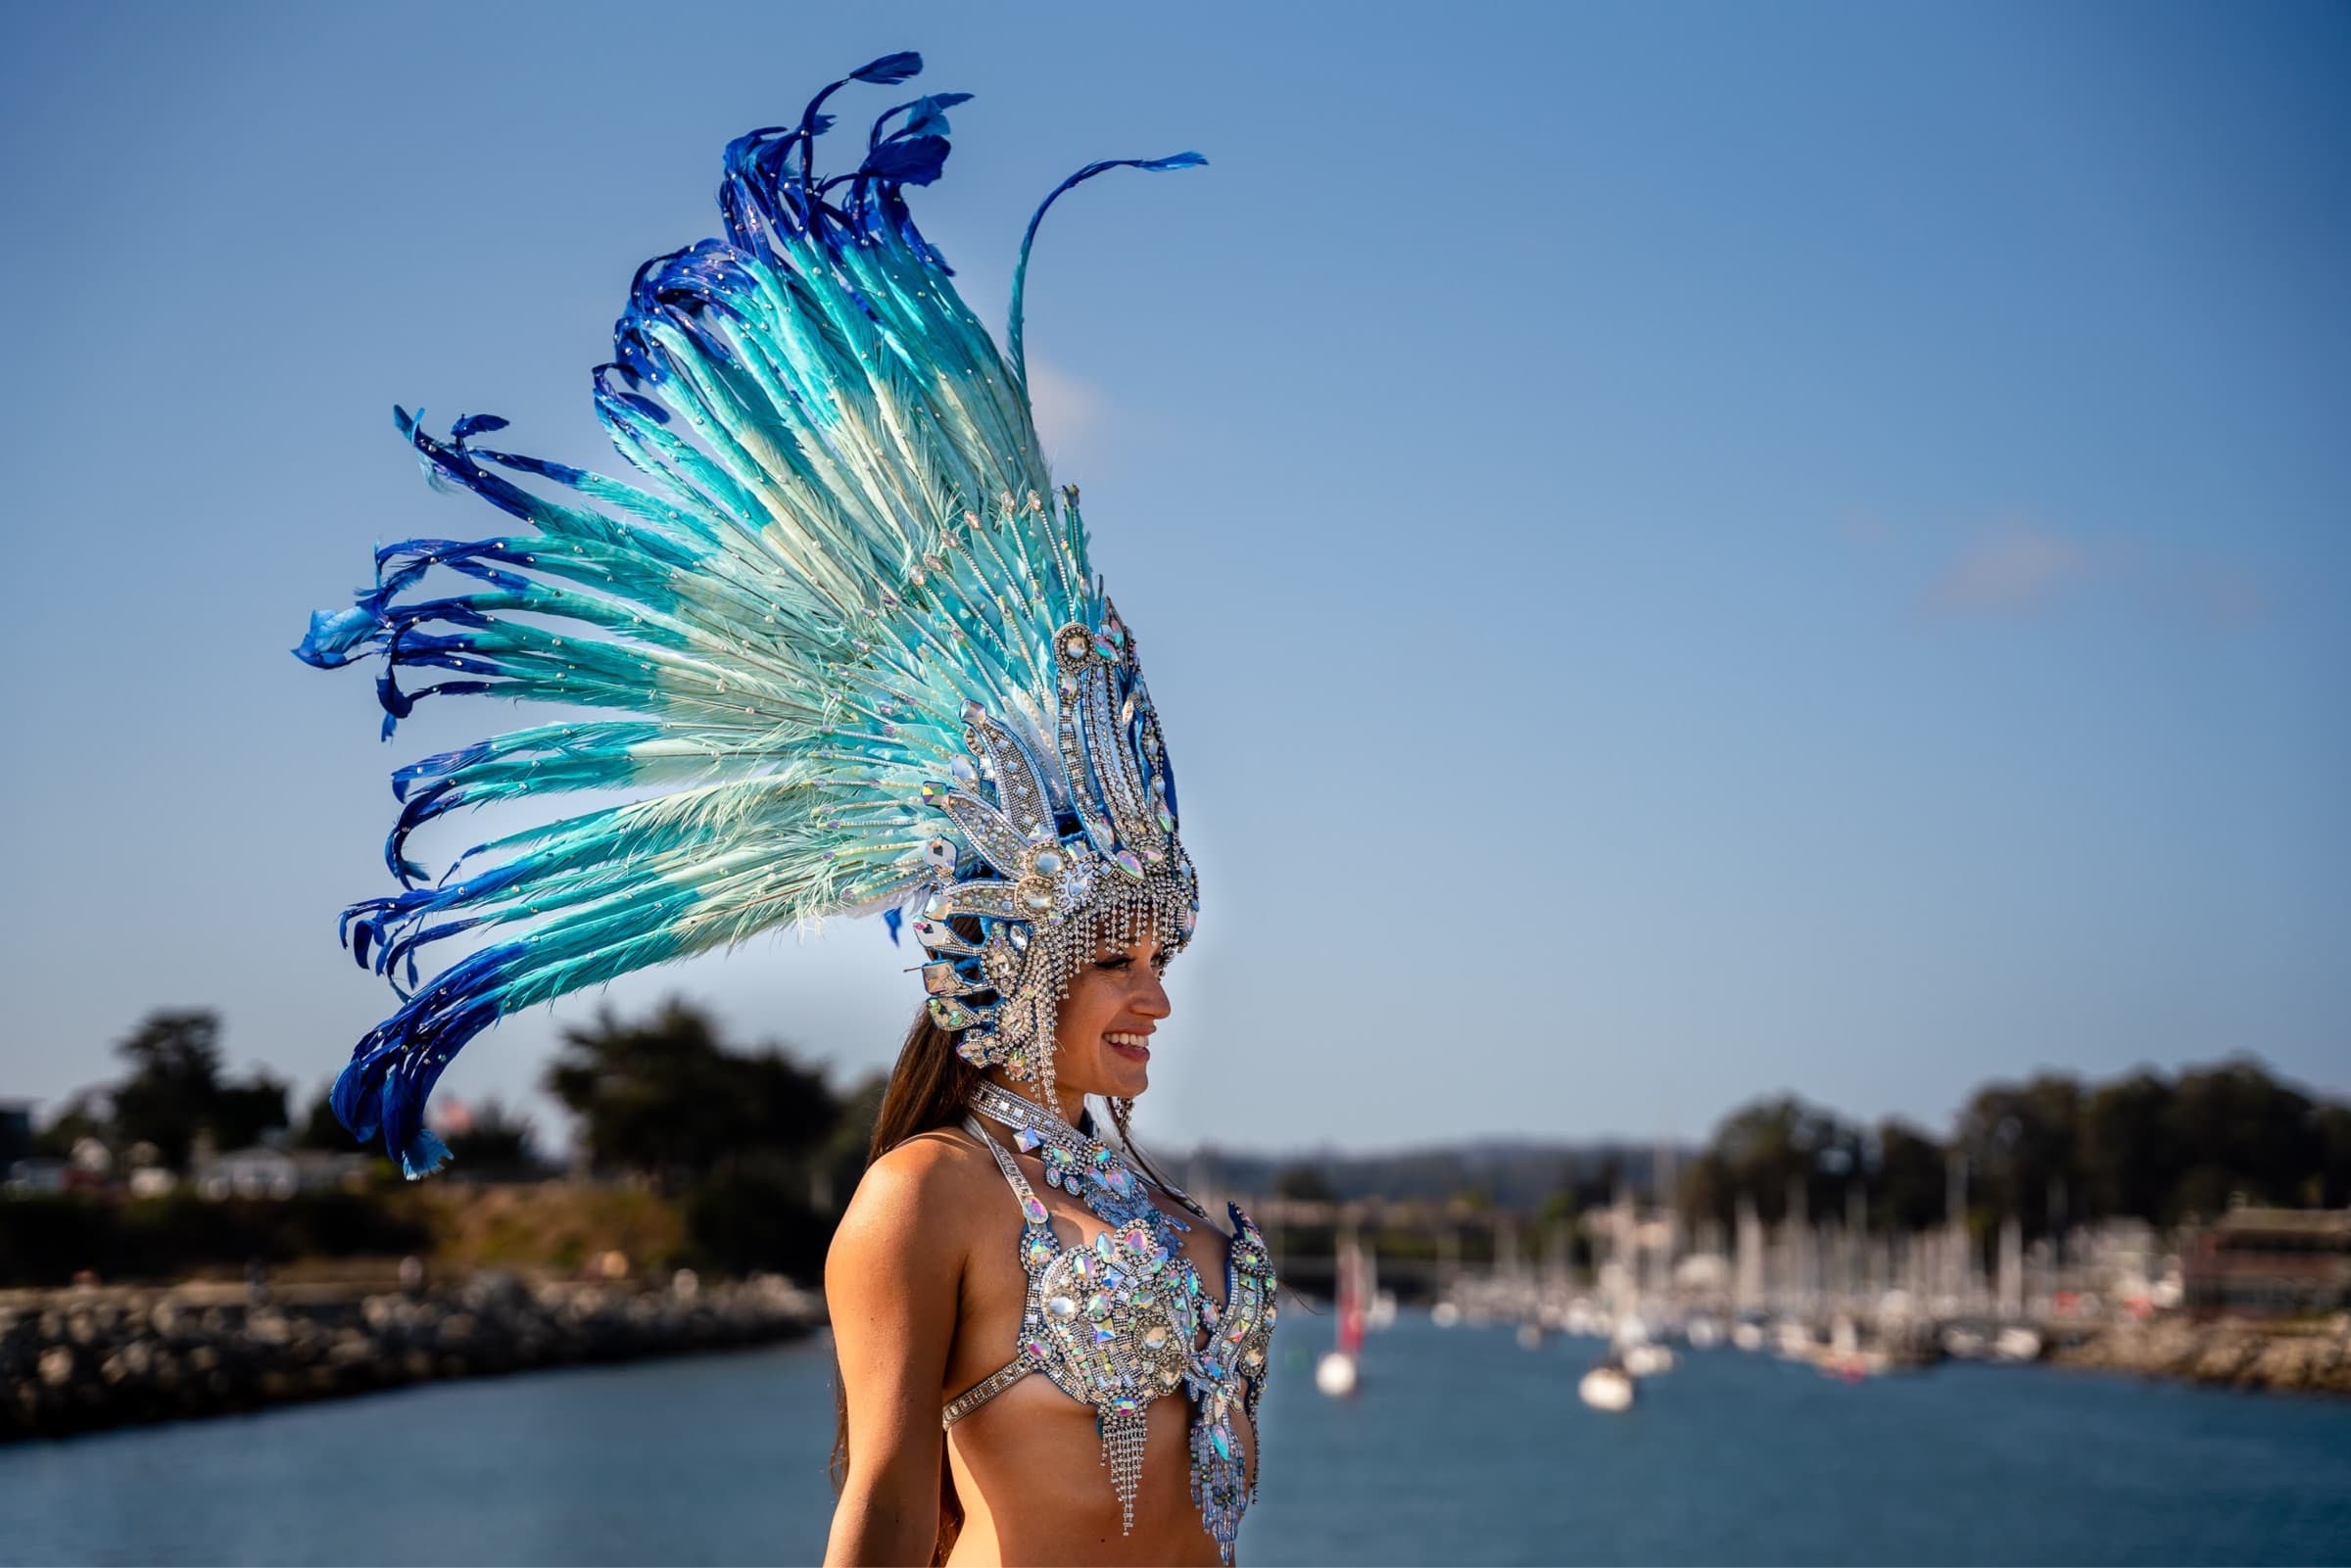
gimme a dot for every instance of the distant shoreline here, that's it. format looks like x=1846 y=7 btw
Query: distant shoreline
x=2234 y=1354
x=91 y=1358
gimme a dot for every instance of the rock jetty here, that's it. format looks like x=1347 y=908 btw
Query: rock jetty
x=2281 y=1358
x=82 y=1359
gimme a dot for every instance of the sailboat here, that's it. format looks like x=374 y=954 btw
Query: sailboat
x=1336 y=1373
x=1379 y=1303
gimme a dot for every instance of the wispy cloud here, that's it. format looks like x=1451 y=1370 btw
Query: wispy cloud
x=2019 y=566
x=2013 y=570
x=1067 y=409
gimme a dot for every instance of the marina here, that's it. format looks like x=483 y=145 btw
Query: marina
x=2240 y=1302
x=1457 y=1445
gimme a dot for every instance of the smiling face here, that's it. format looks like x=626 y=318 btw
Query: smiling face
x=1103 y=1030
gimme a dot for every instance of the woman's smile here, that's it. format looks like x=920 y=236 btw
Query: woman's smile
x=1133 y=1045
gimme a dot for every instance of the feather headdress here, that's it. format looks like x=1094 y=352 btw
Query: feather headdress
x=848 y=627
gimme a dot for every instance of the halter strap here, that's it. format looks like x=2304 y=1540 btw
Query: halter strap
x=1020 y=1367
x=1007 y=1164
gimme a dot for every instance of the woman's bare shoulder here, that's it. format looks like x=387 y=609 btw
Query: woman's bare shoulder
x=931 y=1191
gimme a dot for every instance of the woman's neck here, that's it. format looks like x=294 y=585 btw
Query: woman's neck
x=1071 y=1101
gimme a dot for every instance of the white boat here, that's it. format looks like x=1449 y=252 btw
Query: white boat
x=1637 y=1352
x=1335 y=1374
x=1747 y=1336
x=1606 y=1387
x=1443 y=1315
x=1648 y=1360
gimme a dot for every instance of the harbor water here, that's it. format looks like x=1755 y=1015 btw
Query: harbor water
x=1460 y=1446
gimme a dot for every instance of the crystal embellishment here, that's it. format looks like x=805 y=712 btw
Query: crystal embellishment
x=1124 y=1315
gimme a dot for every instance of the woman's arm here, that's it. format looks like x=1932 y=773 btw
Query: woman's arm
x=892 y=1282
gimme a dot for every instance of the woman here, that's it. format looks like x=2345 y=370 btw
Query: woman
x=850 y=657
x=930 y=1279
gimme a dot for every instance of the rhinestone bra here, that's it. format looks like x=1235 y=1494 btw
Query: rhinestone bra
x=1125 y=1321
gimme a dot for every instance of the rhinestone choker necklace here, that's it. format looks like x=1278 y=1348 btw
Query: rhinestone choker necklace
x=1087 y=1169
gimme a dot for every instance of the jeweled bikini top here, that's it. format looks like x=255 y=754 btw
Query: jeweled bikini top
x=1125 y=1321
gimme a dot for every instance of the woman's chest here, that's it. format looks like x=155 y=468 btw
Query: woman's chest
x=1134 y=1296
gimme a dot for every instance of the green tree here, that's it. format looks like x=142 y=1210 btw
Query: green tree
x=174 y=1076
x=748 y=1139
x=2332 y=1124
x=1304 y=1183
x=1769 y=1151
x=2021 y=1143
x=2238 y=1131
x=496 y=1146
x=322 y=1130
x=666 y=1097
x=175 y=1090
x=85 y=1116
x=242 y=1113
x=1906 y=1177
x=843 y=1159
x=2128 y=1152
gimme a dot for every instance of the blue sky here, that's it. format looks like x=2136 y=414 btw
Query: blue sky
x=1686 y=552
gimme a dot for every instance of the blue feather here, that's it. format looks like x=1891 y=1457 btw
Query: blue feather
x=924 y=117
x=1019 y=268
x=890 y=70
x=334 y=640
x=910 y=160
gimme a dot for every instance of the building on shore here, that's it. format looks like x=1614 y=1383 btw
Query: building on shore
x=266 y=1171
x=2271 y=1262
